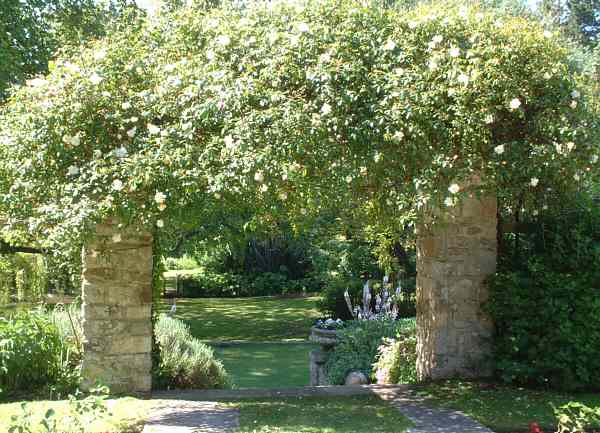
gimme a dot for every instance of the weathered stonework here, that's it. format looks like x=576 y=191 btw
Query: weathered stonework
x=117 y=301
x=453 y=260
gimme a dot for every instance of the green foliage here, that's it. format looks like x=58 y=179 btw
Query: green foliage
x=358 y=345
x=545 y=303
x=185 y=362
x=579 y=19
x=294 y=108
x=332 y=303
x=32 y=31
x=180 y=263
x=576 y=417
x=83 y=412
x=33 y=357
x=397 y=359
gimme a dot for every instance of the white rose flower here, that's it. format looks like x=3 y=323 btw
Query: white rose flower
x=412 y=25
x=229 y=142
x=36 y=82
x=303 y=28
x=160 y=197
x=437 y=39
x=95 y=79
x=398 y=135
x=594 y=159
x=259 y=177
x=454 y=188
x=223 y=40
x=283 y=195
x=97 y=154
x=170 y=67
x=99 y=55
x=514 y=103
x=463 y=79
x=325 y=109
x=131 y=132
x=126 y=105
x=449 y=201
x=210 y=54
x=573 y=104
x=499 y=149
x=153 y=129
x=534 y=181
x=576 y=177
x=160 y=224
x=570 y=146
x=489 y=119
x=454 y=52
x=121 y=152
x=547 y=75
x=547 y=34
x=116 y=238
x=432 y=64
x=117 y=185
x=389 y=45
x=73 y=170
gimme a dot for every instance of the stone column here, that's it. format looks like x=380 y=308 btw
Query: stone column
x=117 y=301
x=453 y=260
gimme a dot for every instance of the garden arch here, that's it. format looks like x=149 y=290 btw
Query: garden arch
x=420 y=116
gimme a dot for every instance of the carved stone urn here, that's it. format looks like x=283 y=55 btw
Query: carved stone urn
x=327 y=339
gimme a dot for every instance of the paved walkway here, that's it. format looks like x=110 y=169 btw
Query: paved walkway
x=197 y=411
x=428 y=419
x=181 y=416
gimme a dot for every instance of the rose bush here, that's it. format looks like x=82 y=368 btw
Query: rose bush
x=294 y=107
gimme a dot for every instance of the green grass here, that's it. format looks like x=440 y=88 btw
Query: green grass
x=248 y=319
x=127 y=414
x=503 y=408
x=364 y=414
x=254 y=365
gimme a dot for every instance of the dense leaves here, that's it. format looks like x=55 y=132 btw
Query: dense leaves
x=298 y=108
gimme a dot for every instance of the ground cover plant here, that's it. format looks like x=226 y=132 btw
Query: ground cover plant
x=126 y=414
x=321 y=415
x=505 y=409
x=248 y=319
x=266 y=365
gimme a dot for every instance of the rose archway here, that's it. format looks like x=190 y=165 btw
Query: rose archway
x=421 y=117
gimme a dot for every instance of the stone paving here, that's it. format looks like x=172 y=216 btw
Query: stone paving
x=182 y=416
x=428 y=419
x=181 y=412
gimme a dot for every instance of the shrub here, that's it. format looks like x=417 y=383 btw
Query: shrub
x=547 y=310
x=34 y=357
x=397 y=359
x=358 y=345
x=332 y=302
x=202 y=283
x=185 y=362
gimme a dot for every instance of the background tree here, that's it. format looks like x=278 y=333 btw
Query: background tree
x=579 y=19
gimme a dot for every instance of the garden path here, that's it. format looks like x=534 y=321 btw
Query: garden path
x=205 y=417
x=183 y=416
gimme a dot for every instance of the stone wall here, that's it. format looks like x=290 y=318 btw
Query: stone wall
x=117 y=301
x=453 y=260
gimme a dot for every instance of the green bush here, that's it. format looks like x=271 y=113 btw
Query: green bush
x=547 y=308
x=34 y=357
x=185 y=362
x=358 y=347
x=397 y=359
x=576 y=417
x=332 y=303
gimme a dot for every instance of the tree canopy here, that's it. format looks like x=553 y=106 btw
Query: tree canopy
x=296 y=108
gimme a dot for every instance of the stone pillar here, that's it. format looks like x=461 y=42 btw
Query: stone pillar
x=117 y=301
x=453 y=260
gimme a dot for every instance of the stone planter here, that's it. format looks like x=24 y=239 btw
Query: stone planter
x=327 y=339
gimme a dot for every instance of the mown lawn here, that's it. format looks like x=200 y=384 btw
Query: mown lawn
x=264 y=365
x=247 y=319
x=361 y=414
x=503 y=408
x=127 y=414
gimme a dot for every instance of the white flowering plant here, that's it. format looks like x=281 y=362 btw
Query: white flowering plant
x=291 y=107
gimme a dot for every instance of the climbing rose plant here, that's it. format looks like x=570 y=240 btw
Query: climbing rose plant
x=294 y=107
